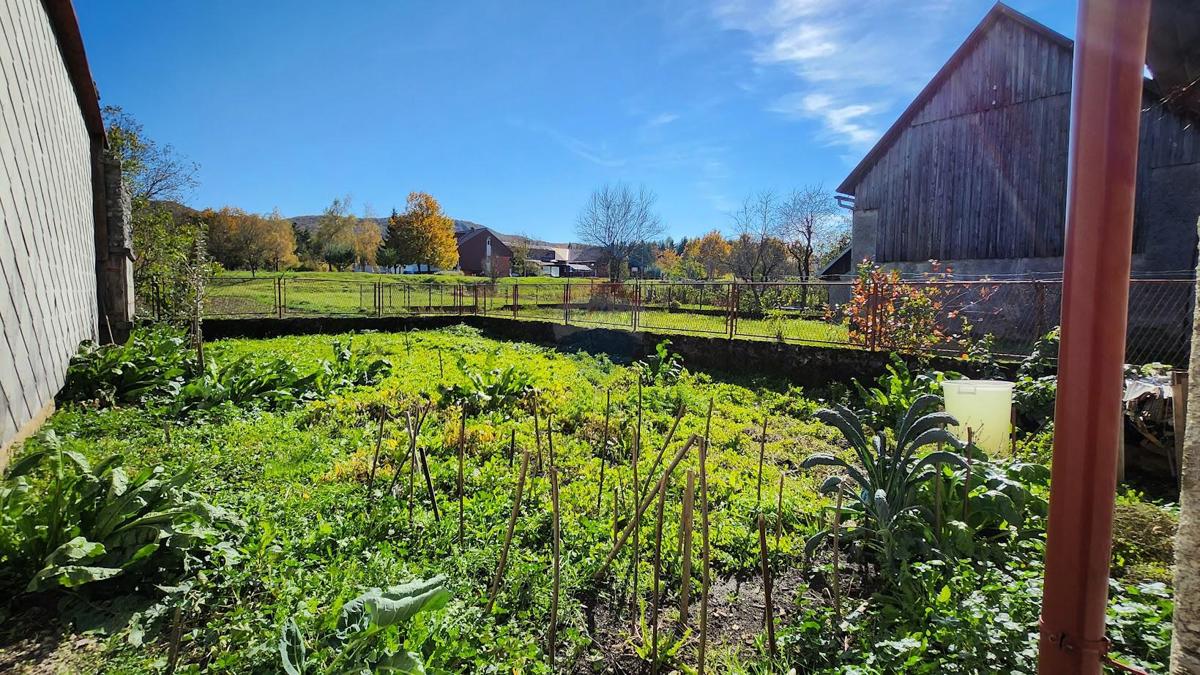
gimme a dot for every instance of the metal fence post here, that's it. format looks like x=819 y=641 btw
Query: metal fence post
x=515 y=290
x=731 y=312
x=567 y=301
x=635 y=318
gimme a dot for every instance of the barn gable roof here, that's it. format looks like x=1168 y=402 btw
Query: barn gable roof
x=999 y=12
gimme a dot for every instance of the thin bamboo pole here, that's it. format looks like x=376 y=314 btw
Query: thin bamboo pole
x=550 y=438
x=551 y=640
x=636 y=521
x=631 y=528
x=762 y=451
x=705 y=573
x=654 y=597
x=779 y=512
x=518 y=490
x=604 y=448
x=462 y=445
x=685 y=585
x=764 y=553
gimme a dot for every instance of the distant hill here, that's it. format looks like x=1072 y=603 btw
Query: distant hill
x=309 y=223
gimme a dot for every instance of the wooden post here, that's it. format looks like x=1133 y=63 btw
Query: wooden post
x=512 y=445
x=662 y=449
x=537 y=435
x=557 y=580
x=437 y=516
x=1179 y=403
x=518 y=490
x=766 y=574
x=550 y=438
x=685 y=586
x=636 y=521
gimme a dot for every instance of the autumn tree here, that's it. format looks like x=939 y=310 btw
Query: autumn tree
x=619 y=219
x=422 y=235
x=240 y=240
x=711 y=252
x=338 y=236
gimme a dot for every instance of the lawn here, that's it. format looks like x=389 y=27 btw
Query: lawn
x=319 y=530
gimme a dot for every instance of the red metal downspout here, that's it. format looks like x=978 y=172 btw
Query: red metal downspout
x=1110 y=51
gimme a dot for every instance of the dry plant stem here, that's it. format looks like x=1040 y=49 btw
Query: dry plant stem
x=537 y=435
x=705 y=568
x=837 y=582
x=616 y=513
x=654 y=597
x=663 y=448
x=375 y=462
x=604 y=447
x=512 y=445
x=550 y=646
x=413 y=433
x=441 y=368
x=685 y=520
x=462 y=443
x=766 y=574
x=762 y=451
x=641 y=508
x=518 y=490
x=176 y=639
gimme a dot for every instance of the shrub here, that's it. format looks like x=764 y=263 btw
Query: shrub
x=896 y=391
x=662 y=367
x=1143 y=541
x=487 y=391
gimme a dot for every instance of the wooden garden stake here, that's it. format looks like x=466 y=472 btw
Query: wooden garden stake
x=766 y=573
x=685 y=585
x=640 y=508
x=512 y=445
x=616 y=513
x=441 y=368
x=518 y=490
x=375 y=461
x=550 y=437
x=654 y=598
x=779 y=513
x=704 y=553
x=636 y=521
x=176 y=639
x=537 y=435
x=462 y=445
x=556 y=550
x=967 y=478
x=603 y=448
x=413 y=426
x=762 y=451
x=837 y=582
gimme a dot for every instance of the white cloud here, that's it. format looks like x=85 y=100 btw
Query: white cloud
x=662 y=119
x=853 y=62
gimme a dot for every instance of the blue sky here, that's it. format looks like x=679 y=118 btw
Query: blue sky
x=511 y=113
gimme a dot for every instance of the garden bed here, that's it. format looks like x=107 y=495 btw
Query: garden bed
x=323 y=506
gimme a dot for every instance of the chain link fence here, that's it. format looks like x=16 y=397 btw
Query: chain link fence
x=944 y=316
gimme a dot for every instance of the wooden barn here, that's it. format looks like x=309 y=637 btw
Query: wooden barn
x=974 y=171
x=973 y=174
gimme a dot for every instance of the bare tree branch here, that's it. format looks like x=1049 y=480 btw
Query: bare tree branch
x=618 y=219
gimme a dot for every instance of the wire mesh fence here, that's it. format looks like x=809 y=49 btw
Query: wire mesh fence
x=944 y=316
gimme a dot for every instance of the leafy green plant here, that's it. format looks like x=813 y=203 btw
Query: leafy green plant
x=896 y=391
x=488 y=390
x=661 y=367
x=350 y=369
x=65 y=522
x=367 y=632
x=883 y=512
x=264 y=383
x=153 y=362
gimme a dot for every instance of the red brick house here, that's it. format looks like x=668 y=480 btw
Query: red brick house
x=481 y=253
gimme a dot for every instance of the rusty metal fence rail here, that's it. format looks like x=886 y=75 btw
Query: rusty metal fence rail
x=944 y=316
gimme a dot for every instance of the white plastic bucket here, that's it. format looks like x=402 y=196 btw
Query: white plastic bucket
x=985 y=406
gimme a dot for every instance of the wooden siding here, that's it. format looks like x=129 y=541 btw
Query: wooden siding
x=47 y=241
x=980 y=171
